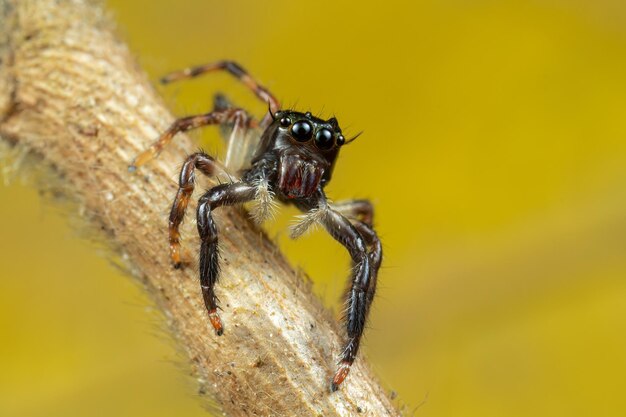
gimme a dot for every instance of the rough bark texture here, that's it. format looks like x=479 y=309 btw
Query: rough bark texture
x=71 y=94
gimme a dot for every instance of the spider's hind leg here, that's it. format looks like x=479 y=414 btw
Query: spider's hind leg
x=222 y=103
x=241 y=135
x=184 y=124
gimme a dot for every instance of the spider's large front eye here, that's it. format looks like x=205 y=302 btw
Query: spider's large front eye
x=302 y=131
x=324 y=139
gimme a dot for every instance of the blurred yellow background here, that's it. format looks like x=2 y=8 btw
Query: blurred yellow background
x=494 y=150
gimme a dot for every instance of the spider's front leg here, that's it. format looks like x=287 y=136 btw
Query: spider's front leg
x=221 y=195
x=236 y=71
x=366 y=253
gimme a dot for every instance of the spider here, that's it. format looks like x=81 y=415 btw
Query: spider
x=288 y=156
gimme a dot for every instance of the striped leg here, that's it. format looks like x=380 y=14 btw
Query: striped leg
x=235 y=70
x=209 y=167
x=237 y=116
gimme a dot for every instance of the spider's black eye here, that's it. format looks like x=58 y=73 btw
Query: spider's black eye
x=324 y=139
x=302 y=131
x=285 y=121
x=340 y=140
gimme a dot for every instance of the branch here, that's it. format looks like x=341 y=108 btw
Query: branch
x=72 y=95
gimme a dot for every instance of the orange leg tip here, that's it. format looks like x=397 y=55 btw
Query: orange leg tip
x=216 y=322
x=340 y=376
x=177 y=262
x=142 y=158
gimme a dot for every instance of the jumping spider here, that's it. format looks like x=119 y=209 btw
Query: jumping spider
x=290 y=156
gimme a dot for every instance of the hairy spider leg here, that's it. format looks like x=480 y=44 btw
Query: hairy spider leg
x=221 y=195
x=362 y=210
x=365 y=250
x=231 y=115
x=361 y=214
x=375 y=253
x=187 y=179
x=235 y=70
x=362 y=289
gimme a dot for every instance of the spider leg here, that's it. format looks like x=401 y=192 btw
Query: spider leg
x=364 y=247
x=221 y=195
x=361 y=210
x=241 y=142
x=361 y=214
x=232 y=115
x=209 y=167
x=222 y=103
x=232 y=68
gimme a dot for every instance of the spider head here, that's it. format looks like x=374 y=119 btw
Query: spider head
x=305 y=144
x=310 y=132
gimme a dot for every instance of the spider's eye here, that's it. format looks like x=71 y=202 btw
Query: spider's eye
x=302 y=131
x=340 y=140
x=285 y=121
x=324 y=139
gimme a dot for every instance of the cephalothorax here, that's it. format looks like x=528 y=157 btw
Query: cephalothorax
x=287 y=156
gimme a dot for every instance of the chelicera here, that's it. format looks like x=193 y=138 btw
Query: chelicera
x=288 y=156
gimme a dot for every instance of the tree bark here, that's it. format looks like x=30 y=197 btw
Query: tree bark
x=71 y=94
